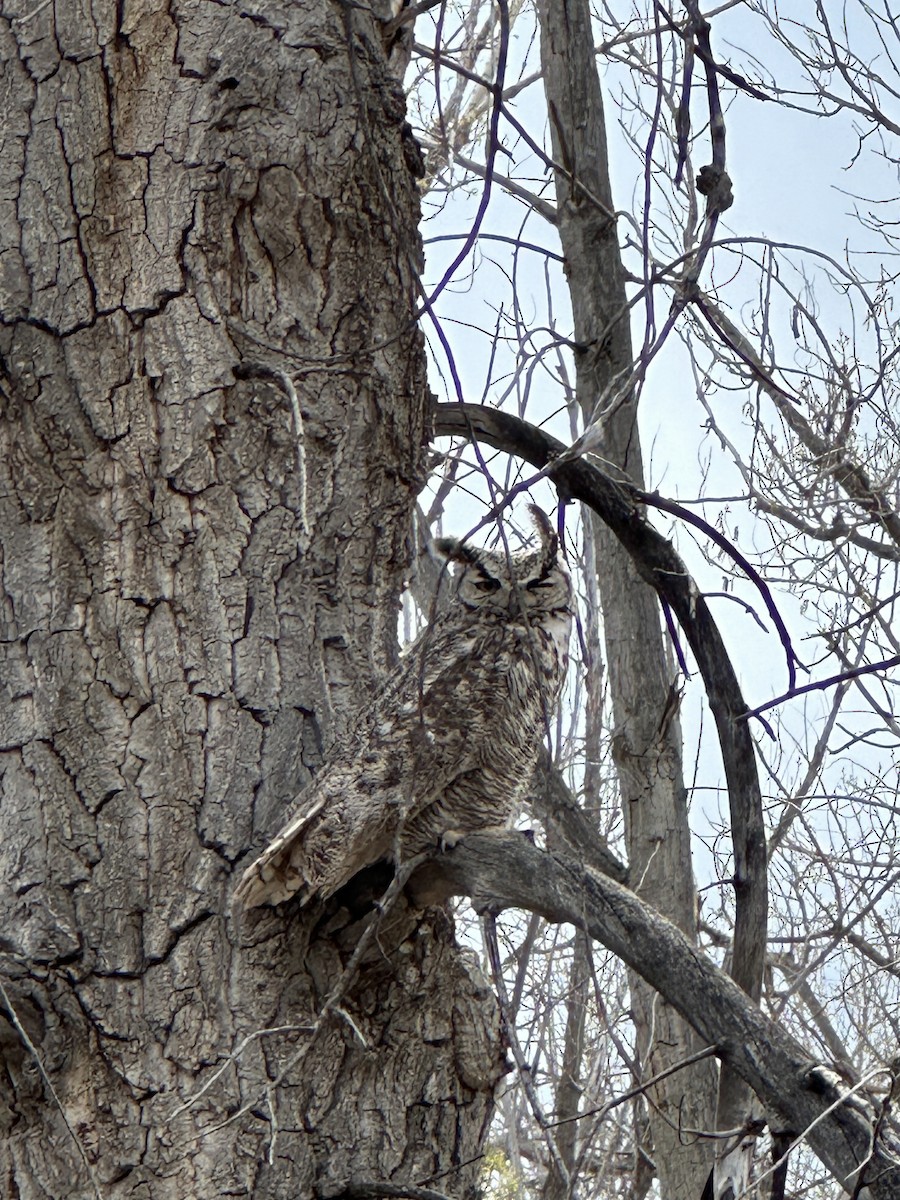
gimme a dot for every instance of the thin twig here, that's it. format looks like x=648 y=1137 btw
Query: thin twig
x=232 y=1058
x=639 y=1090
x=821 y=684
x=48 y=1083
x=247 y=370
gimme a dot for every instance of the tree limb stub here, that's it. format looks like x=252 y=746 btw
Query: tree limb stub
x=505 y=870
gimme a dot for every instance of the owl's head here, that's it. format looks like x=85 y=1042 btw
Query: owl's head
x=533 y=580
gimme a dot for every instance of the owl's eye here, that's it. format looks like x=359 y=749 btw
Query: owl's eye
x=487 y=585
x=533 y=584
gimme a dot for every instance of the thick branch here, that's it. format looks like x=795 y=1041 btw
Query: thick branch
x=801 y=1097
x=552 y=801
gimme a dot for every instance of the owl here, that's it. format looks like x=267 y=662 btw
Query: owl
x=449 y=743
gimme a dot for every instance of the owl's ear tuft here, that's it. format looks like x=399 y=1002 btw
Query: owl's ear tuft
x=444 y=547
x=454 y=550
x=549 y=539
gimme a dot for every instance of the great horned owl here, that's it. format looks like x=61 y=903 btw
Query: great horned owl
x=450 y=742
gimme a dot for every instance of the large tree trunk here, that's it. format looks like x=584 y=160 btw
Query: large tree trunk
x=647 y=736
x=200 y=581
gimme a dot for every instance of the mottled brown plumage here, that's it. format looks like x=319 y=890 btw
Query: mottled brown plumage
x=450 y=742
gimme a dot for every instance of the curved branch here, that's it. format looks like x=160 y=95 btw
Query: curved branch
x=657 y=561
x=822 y=685
x=654 y=500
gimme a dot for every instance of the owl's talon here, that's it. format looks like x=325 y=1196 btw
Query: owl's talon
x=450 y=839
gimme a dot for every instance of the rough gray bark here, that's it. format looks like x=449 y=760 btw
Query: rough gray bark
x=647 y=735
x=192 y=608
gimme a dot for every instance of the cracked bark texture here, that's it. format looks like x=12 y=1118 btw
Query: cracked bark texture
x=189 y=188
x=646 y=738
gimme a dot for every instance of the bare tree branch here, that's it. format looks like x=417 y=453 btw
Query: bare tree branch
x=506 y=870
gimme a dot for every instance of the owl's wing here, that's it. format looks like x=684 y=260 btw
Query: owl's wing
x=330 y=837
x=407 y=747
